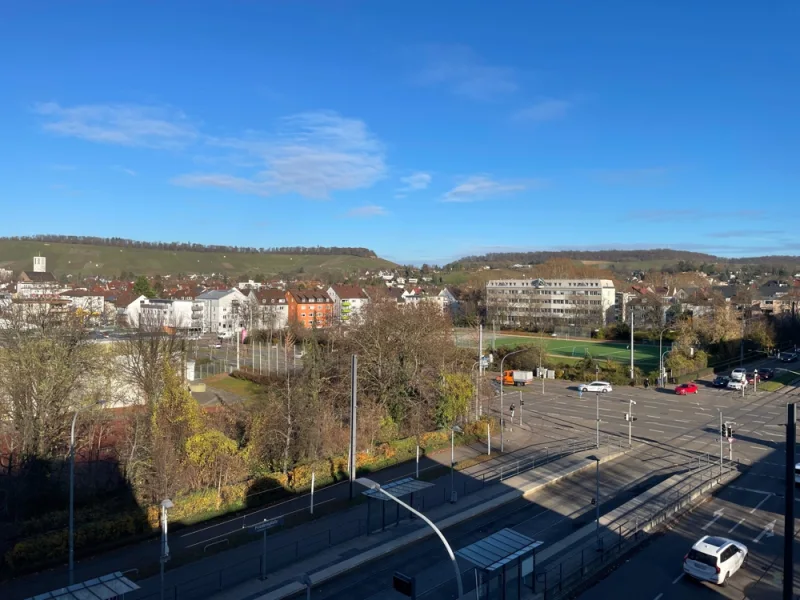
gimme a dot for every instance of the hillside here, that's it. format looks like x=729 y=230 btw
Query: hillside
x=86 y=259
x=620 y=260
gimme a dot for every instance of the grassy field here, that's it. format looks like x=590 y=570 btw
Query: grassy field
x=109 y=260
x=645 y=355
x=777 y=383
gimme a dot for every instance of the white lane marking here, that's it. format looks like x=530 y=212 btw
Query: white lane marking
x=674 y=410
x=757 y=447
x=659 y=596
x=766 y=532
x=665 y=425
x=744 y=489
x=655 y=430
x=717 y=515
x=772 y=425
x=681 y=421
x=677 y=579
x=701 y=414
x=653 y=417
x=764 y=499
x=771 y=434
x=735 y=526
x=762 y=422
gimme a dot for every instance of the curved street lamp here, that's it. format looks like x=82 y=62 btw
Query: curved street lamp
x=502 y=414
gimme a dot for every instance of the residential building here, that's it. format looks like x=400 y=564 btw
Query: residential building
x=310 y=308
x=168 y=313
x=128 y=307
x=250 y=285
x=270 y=307
x=647 y=311
x=6 y=274
x=85 y=302
x=545 y=303
x=219 y=311
x=348 y=302
x=38 y=283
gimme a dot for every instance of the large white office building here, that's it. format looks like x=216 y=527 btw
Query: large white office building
x=539 y=302
x=220 y=310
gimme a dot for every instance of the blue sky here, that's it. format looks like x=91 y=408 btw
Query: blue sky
x=424 y=130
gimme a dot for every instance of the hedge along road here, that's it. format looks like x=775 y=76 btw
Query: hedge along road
x=645 y=354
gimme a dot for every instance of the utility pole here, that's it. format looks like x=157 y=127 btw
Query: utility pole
x=630 y=420
x=741 y=343
x=788 y=516
x=721 y=435
x=480 y=350
x=353 y=402
x=632 y=366
x=597 y=424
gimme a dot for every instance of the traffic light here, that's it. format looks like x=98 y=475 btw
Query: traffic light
x=521 y=402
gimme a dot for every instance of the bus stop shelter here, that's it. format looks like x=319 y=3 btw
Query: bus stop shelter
x=408 y=486
x=113 y=586
x=504 y=563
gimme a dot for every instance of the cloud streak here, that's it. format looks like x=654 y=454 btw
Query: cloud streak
x=549 y=109
x=366 y=212
x=118 y=124
x=462 y=71
x=482 y=187
x=312 y=154
x=693 y=214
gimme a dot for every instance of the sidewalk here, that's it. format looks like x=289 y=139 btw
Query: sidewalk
x=352 y=554
x=144 y=556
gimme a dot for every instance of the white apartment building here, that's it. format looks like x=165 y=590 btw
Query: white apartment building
x=536 y=302
x=348 y=302
x=85 y=301
x=221 y=310
x=270 y=307
x=176 y=314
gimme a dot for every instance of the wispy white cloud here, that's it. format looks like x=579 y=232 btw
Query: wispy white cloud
x=694 y=214
x=312 y=154
x=121 y=124
x=367 y=211
x=415 y=182
x=548 y=109
x=481 y=187
x=464 y=72
x=125 y=170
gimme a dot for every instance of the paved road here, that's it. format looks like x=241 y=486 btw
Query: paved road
x=672 y=433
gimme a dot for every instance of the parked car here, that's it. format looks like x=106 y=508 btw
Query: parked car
x=788 y=357
x=738 y=374
x=766 y=374
x=714 y=559
x=797 y=474
x=686 y=388
x=736 y=384
x=721 y=381
x=595 y=386
x=753 y=377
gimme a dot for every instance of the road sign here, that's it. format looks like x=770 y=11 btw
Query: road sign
x=267 y=524
x=730 y=440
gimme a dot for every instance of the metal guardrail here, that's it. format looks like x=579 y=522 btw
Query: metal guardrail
x=560 y=578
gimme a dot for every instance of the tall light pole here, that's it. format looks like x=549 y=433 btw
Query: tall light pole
x=662 y=365
x=72 y=492
x=477 y=385
x=661 y=358
x=597 y=420
x=166 y=504
x=502 y=414
x=596 y=498
x=372 y=485
x=632 y=365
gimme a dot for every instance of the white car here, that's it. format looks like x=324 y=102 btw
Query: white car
x=595 y=386
x=739 y=374
x=714 y=559
x=736 y=384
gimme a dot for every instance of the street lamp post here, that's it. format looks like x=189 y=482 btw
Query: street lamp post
x=596 y=499
x=166 y=504
x=453 y=431
x=372 y=485
x=597 y=419
x=72 y=493
x=661 y=358
x=477 y=386
x=502 y=414
x=661 y=367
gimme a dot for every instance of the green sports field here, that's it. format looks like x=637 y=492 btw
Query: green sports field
x=645 y=355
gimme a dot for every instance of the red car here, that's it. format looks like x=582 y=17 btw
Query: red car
x=686 y=388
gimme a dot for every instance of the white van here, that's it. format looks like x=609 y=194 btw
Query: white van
x=739 y=374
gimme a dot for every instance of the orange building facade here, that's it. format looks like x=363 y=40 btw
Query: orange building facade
x=310 y=308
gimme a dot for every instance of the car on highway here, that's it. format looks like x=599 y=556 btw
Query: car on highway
x=738 y=374
x=736 y=384
x=595 y=386
x=721 y=381
x=686 y=388
x=766 y=374
x=788 y=357
x=714 y=559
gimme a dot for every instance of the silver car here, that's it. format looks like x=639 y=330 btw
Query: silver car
x=596 y=386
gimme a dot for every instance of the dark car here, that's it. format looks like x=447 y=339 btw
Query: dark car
x=766 y=374
x=721 y=381
x=788 y=357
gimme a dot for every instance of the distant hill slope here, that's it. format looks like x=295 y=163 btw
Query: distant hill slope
x=617 y=259
x=67 y=258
